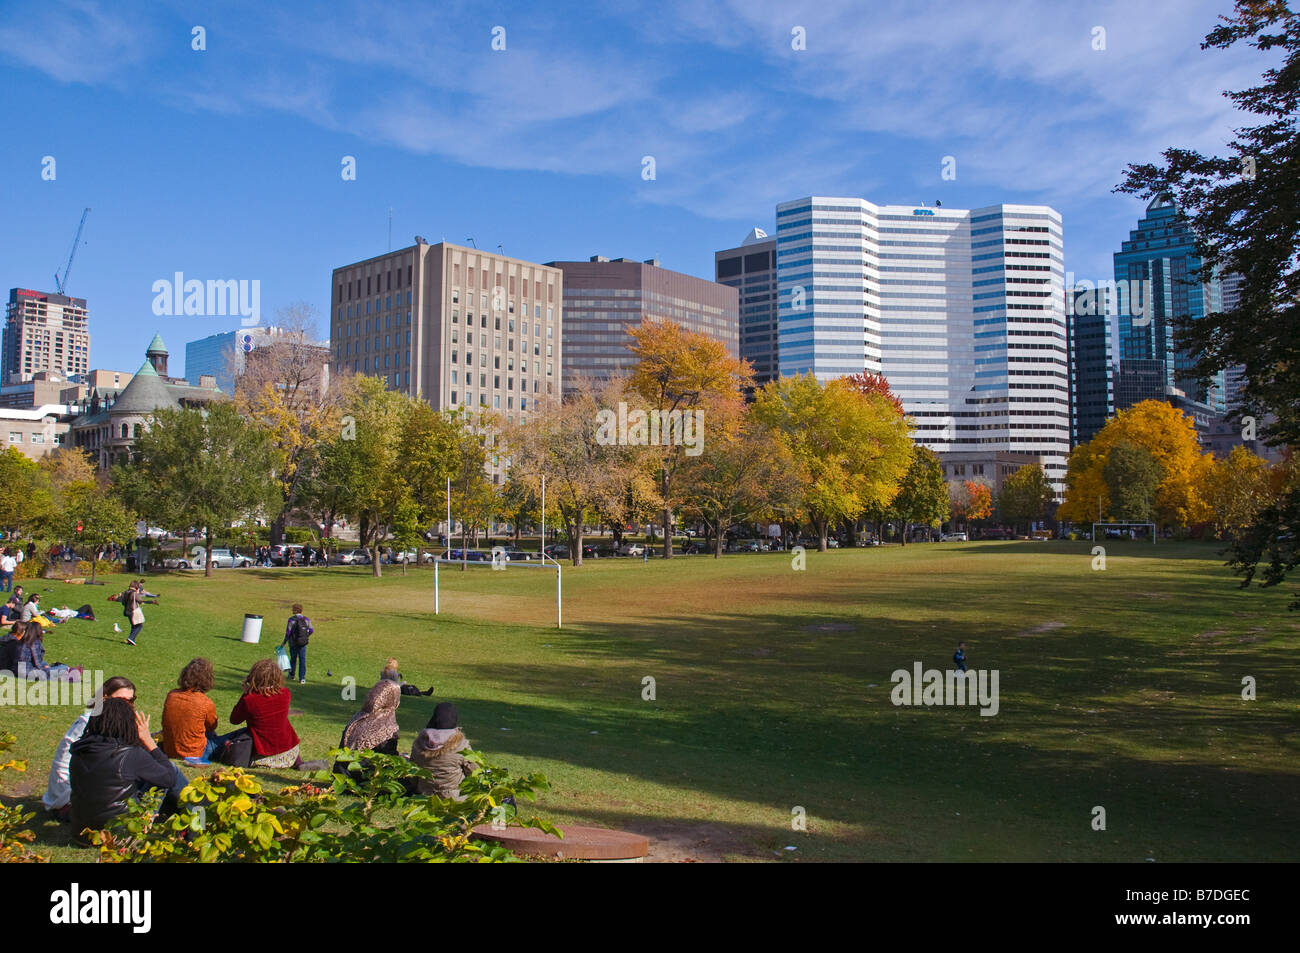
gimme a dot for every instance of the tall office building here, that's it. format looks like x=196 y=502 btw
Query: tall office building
x=457 y=326
x=1160 y=267
x=603 y=298
x=963 y=311
x=1092 y=371
x=44 y=332
x=751 y=269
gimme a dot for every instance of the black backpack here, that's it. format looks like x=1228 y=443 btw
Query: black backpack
x=238 y=751
x=298 y=635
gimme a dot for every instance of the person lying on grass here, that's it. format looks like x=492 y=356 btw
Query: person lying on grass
x=390 y=673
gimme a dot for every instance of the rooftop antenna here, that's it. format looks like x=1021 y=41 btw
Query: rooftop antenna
x=502 y=250
x=471 y=241
x=390 y=228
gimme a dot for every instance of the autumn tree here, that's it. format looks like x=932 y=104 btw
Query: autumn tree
x=566 y=447
x=970 y=501
x=1170 y=436
x=744 y=471
x=867 y=383
x=1237 y=490
x=283 y=386
x=92 y=514
x=854 y=449
x=679 y=370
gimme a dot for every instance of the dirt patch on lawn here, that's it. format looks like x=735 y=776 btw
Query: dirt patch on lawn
x=682 y=842
x=1209 y=635
x=1044 y=628
x=830 y=627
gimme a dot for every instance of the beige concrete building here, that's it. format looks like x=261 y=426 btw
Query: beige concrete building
x=457 y=326
x=35 y=431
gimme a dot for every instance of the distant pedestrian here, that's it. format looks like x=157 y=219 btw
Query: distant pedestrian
x=297 y=632
x=959 y=657
x=7 y=566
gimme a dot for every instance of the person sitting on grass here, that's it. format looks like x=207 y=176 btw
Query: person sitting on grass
x=189 y=719
x=113 y=762
x=391 y=674
x=11 y=611
x=29 y=660
x=438 y=749
x=32 y=607
x=374 y=727
x=265 y=706
x=58 y=793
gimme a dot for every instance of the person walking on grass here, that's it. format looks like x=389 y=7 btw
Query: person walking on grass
x=7 y=566
x=959 y=657
x=297 y=632
x=131 y=608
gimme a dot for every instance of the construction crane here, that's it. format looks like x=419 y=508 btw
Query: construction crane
x=61 y=283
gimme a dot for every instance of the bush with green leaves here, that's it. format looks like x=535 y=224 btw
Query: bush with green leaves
x=363 y=814
x=15 y=834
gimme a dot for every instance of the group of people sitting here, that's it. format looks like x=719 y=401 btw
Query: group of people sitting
x=22 y=652
x=110 y=756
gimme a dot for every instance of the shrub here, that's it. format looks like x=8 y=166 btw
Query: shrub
x=362 y=814
x=14 y=833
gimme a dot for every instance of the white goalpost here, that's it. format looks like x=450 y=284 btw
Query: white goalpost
x=1150 y=526
x=500 y=561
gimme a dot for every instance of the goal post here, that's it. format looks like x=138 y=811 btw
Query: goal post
x=1150 y=526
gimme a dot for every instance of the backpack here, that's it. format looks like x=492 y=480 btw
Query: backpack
x=238 y=751
x=301 y=631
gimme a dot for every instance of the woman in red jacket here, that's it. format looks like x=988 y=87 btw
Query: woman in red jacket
x=265 y=706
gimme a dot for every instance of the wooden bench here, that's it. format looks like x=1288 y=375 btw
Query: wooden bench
x=579 y=843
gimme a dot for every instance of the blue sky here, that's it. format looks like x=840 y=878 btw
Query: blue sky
x=225 y=163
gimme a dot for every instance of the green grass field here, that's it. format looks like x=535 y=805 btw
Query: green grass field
x=1120 y=689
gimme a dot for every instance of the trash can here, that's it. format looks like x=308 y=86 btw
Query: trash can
x=252 y=628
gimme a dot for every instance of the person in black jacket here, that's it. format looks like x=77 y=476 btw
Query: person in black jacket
x=113 y=762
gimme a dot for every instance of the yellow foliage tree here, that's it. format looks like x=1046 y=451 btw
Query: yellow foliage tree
x=1169 y=435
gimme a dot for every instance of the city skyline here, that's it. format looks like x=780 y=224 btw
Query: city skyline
x=212 y=163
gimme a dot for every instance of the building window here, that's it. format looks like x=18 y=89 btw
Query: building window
x=137 y=431
x=125 y=431
x=38 y=438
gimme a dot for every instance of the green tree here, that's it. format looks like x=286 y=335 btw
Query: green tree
x=26 y=502
x=1133 y=476
x=1025 y=496
x=203 y=468
x=922 y=494
x=94 y=517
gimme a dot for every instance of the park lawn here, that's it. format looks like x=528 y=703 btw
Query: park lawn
x=1119 y=689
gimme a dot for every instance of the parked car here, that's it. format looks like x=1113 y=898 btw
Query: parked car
x=355 y=557
x=520 y=556
x=557 y=551
x=954 y=537
x=631 y=549
x=221 y=558
x=832 y=543
x=410 y=556
x=471 y=556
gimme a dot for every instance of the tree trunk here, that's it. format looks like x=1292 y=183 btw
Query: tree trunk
x=207 y=562
x=904 y=536
x=823 y=527
x=668 y=533
x=376 y=567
